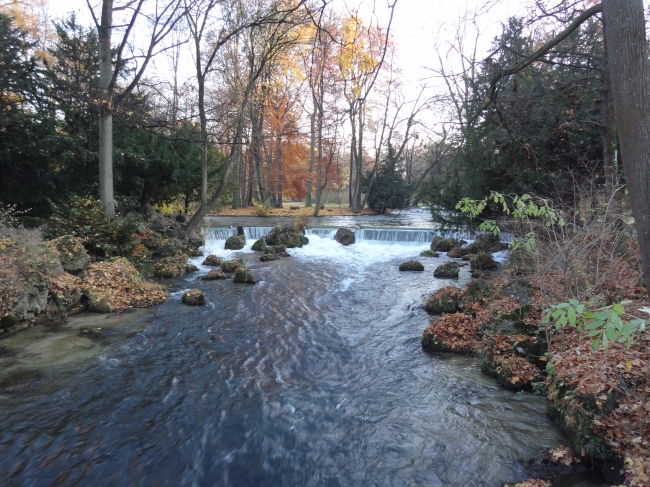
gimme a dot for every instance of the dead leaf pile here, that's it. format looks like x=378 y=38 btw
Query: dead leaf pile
x=120 y=285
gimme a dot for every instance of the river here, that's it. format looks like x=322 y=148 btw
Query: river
x=314 y=376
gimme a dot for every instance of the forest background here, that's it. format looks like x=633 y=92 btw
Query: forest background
x=265 y=101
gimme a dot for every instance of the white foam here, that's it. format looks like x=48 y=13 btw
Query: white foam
x=362 y=254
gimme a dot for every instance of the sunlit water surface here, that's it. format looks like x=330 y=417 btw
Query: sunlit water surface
x=314 y=376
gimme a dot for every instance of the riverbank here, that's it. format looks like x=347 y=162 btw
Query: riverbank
x=300 y=210
x=599 y=396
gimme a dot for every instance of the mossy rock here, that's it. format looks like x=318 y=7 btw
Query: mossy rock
x=244 y=276
x=429 y=253
x=482 y=243
x=170 y=267
x=189 y=268
x=212 y=261
x=194 y=297
x=9 y=321
x=445 y=244
x=214 y=275
x=259 y=245
x=236 y=242
x=152 y=241
x=287 y=236
x=448 y=270
x=477 y=290
x=435 y=241
x=483 y=262
x=411 y=266
x=447 y=303
x=455 y=253
x=269 y=257
x=468 y=257
x=232 y=265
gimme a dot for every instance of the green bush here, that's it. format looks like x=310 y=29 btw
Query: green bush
x=102 y=237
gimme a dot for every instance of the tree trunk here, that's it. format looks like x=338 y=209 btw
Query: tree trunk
x=106 y=110
x=204 y=137
x=312 y=150
x=319 y=165
x=271 y=184
x=608 y=128
x=280 y=173
x=257 y=147
x=630 y=78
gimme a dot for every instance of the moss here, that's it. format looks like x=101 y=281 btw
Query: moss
x=455 y=253
x=411 y=265
x=232 y=265
x=259 y=245
x=235 y=242
x=447 y=270
x=244 y=276
x=445 y=303
x=429 y=253
x=8 y=321
x=483 y=262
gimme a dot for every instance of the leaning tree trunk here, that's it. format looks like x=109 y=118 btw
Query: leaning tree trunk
x=630 y=78
x=106 y=110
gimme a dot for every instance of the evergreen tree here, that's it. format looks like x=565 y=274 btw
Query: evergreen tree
x=389 y=189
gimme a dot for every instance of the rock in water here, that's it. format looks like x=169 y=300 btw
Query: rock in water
x=483 y=262
x=212 y=261
x=429 y=253
x=214 y=275
x=287 y=236
x=260 y=245
x=444 y=244
x=411 y=265
x=194 y=297
x=235 y=243
x=447 y=270
x=232 y=265
x=455 y=253
x=345 y=236
x=244 y=276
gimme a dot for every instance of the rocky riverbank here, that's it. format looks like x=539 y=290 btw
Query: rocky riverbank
x=46 y=280
x=601 y=398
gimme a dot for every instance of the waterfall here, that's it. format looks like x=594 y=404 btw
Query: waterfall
x=222 y=233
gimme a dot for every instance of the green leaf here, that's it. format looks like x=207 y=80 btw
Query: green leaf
x=611 y=332
x=596 y=344
x=571 y=314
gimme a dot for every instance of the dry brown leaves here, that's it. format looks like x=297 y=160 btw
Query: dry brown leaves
x=456 y=331
x=563 y=455
x=120 y=284
x=530 y=483
x=302 y=211
x=445 y=291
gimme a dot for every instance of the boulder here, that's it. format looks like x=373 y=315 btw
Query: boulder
x=177 y=232
x=181 y=218
x=152 y=241
x=72 y=254
x=196 y=253
x=483 y=262
x=345 y=236
x=158 y=225
x=30 y=304
x=447 y=270
x=235 y=243
x=287 y=236
x=214 y=275
x=429 y=253
x=467 y=257
x=148 y=212
x=445 y=244
x=411 y=265
x=455 y=253
x=194 y=297
x=445 y=300
x=435 y=241
x=195 y=240
x=244 y=276
x=484 y=243
x=189 y=268
x=269 y=257
x=232 y=265
x=142 y=229
x=170 y=248
x=212 y=261
x=259 y=245
x=170 y=267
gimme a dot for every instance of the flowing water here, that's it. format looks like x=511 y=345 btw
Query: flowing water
x=314 y=376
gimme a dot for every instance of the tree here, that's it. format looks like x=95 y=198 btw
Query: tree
x=388 y=190
x=163 y=20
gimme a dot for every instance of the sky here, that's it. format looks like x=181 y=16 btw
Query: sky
x=419 y=28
